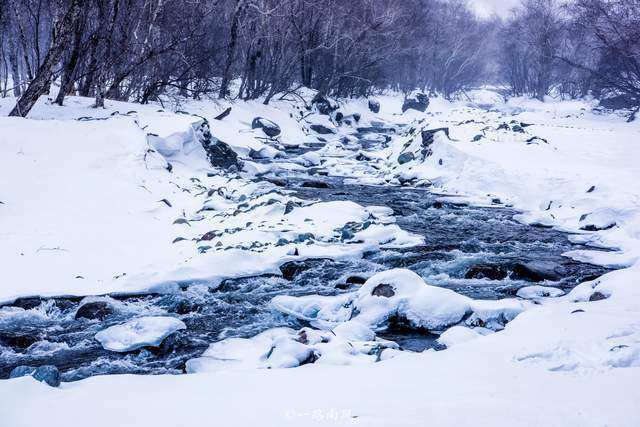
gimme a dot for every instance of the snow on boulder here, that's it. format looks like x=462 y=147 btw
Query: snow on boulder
x=374 y=105
x=219 y=153
x=457 y=335
x=416 y=101
x=494 y=314
x=402 y=293
x=401 y=296
x=535 y=292
x=271 y=129
x=323 y=104
x=138 y=333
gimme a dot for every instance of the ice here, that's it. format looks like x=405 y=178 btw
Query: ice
x=137 y=333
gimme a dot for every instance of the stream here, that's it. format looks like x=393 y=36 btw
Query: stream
x=481 y=252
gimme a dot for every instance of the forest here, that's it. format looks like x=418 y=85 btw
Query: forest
x=143 y=50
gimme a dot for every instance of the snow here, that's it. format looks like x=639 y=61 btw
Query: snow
x=457 y=335
x=556 y=359
x=137 y=333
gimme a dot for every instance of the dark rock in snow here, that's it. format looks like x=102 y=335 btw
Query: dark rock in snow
x=591 y=189
x=593 y=227
x=94 y=310
x=271 y=129
x=292 y=268
x=219 y=153
x=417 y=101
x=486 y=271
x=597 y=296
x=374 y=106
x=321 y=129
x=477 y=138
x=289 y=207
x=406 y=157
x=323 y=105
x=383 y=290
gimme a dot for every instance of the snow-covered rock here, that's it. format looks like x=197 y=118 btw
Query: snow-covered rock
x=457 y=335
x=140 y=332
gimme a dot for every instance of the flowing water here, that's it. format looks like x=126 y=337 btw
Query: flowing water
x=481 y=252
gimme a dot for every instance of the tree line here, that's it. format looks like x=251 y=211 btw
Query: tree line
x=144 y=50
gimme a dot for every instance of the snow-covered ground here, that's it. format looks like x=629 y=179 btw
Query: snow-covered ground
x=84 y=202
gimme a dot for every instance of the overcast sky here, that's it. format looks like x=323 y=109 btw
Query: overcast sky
x=486 y=8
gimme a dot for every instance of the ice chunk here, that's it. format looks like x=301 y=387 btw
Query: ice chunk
x=137 y=333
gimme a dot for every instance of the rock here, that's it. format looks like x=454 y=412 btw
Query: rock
x=219 y=153
x=383 y=290
x=535 y=271
x=406 y=157
x=271 y=129
x=323 y=105
x=321 y=129
x=27 y=303
x=17 y=341
x=597 y=296
x=289 y=207
x=486 y=271
x=356 y=280
x=374 y=106
x=503 y=126
x=591 y=189
x=517 y=128
x=315 y=184
x=22 y=371
x=94 y=310
x=48 y=374
x=593 y=227
x=417 y=101
x=477 y=138
x=293 y=268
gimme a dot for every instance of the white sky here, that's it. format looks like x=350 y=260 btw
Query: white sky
x=486 y=8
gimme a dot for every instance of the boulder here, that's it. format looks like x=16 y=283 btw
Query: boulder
x=219 y=153
x=47 y=374
x=535 y=271
x=416 y=101
x=406 y=157
x=97 y=310
x=321 y=129
x=383 y=290
x=374 y=105
x=323 y=105
x=428 y=136
x=486 y=271
x=271 y=129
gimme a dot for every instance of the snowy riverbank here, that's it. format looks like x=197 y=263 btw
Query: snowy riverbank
x=87 y=202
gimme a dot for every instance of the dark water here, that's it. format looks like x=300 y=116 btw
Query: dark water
x=457 y=238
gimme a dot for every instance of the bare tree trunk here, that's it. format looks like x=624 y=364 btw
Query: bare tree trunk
x=231 y=49
x=63 y=31
x=69 y=71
